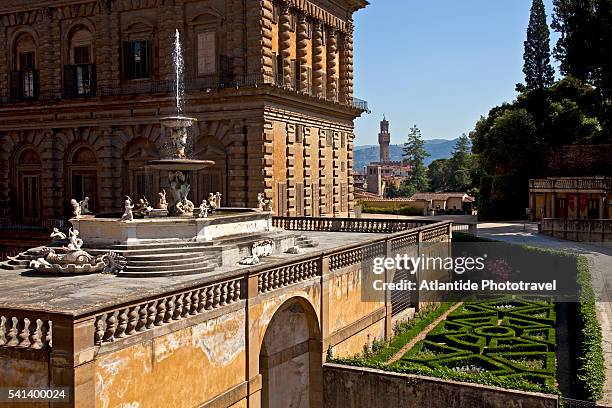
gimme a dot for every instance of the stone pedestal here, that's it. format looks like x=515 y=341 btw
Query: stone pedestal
x=100 y=232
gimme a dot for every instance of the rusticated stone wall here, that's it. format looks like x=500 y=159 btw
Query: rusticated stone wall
x=316 y=135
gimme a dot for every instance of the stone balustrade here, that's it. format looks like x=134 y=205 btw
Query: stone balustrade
x=599 y=230
x=287 y=275
x=21 y=329
x=137 y=318
x=369 y=225
x=572 y=183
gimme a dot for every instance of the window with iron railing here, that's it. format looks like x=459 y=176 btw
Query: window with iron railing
x=136 y=59
x=24 y=84
x=79 y=80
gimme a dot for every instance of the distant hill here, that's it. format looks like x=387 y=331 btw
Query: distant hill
x=437 y=148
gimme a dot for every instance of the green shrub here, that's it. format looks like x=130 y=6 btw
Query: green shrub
x=531 y=362
x=426 y=350
x=467 y=341
x=515 y=344
x=590 y=359
x=405 y=210
x=406 y=331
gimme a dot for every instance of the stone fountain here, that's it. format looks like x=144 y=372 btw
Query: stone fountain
x=170 y=239
x=178 y=166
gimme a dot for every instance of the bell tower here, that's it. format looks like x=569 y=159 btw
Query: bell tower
x=384 y=139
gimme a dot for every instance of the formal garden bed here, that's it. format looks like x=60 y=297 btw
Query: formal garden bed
x=508 y=342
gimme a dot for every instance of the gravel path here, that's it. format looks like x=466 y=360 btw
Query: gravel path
x=422 y=334
x=600 y=263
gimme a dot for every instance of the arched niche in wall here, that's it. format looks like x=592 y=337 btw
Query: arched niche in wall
x=81 y=170
x=27 y=192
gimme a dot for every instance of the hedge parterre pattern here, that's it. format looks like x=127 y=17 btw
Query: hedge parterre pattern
x=510 y=338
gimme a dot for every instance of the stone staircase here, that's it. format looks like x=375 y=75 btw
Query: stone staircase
x=157 y=259
x=20 y=261
x=164 y=259
x=305 y=242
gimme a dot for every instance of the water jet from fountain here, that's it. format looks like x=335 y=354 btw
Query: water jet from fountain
x=179 y=167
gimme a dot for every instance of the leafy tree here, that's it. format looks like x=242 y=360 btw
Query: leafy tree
x=585 y=47
x=438 y=174
x=392 y=191
x=460 y=165
x=576 y=49
x=414 y=156
x=539 y=74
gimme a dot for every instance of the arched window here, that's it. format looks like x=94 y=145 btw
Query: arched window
x=82 y=173
x=27 y=181
x=24 y=77
x=79 y=72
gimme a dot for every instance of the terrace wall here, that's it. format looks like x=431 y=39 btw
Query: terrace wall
x=355 y=387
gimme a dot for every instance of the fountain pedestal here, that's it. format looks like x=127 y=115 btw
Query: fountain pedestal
x=179 y=167
x=104 y=232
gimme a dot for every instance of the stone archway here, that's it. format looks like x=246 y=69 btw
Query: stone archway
x=290 y=361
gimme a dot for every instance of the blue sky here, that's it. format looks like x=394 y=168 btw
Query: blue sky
x=439 y=64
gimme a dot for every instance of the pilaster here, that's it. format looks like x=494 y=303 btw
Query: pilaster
x=290 y=166
x=52 y=177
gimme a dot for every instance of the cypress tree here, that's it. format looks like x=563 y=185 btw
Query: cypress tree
x=539 y=74
x=414 y=156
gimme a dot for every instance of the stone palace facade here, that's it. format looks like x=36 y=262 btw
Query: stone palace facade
x=84 y=83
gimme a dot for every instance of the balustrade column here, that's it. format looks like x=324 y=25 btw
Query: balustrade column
x=332 y=64
x=317 y=58
x=301 y=51
x=284 y=37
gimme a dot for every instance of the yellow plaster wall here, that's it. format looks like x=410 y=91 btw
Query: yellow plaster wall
x=153 y=373
x=21 y=373
x=262 y=313
x=345 y=304
x=354 y=344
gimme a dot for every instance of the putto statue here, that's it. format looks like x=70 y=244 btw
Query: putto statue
x=162 y=204
x=212 y=201
x=75 y=242
x=185 y=207
x=73 y=260
x=142 y=209
x=76 y=208
x=204 y=209
x=57 y=235
x=84 y=204
x=262 y=203
x=128 y=215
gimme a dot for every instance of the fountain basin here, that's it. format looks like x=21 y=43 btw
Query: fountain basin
x=174 y=122
x=179 y=164
x=100 y=232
